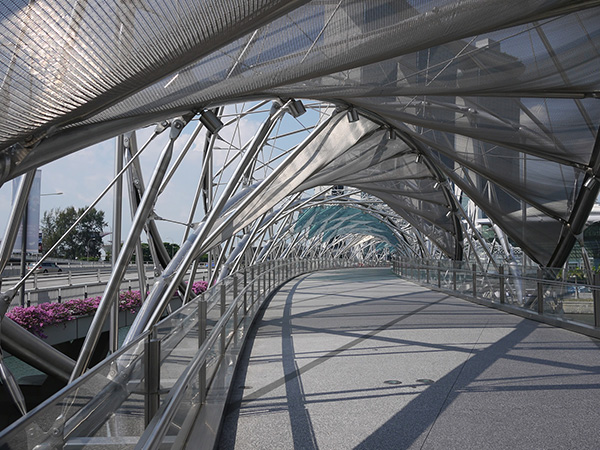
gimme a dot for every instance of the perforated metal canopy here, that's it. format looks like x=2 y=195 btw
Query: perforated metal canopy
x=430 y=120
x=491 y=101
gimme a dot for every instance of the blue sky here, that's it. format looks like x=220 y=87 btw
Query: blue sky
x=82 y=175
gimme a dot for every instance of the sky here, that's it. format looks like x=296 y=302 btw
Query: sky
x=83 y=175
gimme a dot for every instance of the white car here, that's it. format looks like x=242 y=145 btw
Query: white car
x=48 y=267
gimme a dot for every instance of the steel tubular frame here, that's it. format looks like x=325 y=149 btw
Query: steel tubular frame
x=272 y=235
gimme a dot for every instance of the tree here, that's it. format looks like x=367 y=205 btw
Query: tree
x=172 y=249
x=84 y=241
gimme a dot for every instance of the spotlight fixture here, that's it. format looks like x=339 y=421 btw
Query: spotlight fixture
x=210 y=120
x=449 y=213
x=589 y=183
x=391 y=134
x=352 y=115
x=419 y=158
x=437 y=185
x=296 y=108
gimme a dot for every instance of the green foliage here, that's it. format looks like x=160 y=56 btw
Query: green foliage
x=171 y=248
x=84 y=241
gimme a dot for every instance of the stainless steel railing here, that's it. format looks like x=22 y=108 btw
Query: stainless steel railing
x=540 y=294
x=131 y=401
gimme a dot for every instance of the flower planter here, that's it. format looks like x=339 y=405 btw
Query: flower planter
x=78 y=328
x=63 y=322
x=61 y=332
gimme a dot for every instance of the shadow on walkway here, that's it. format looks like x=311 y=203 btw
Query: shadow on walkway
x=307 y=380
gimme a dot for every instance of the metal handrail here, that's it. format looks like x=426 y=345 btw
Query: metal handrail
x=24 y=422
x=87 y=419
x=534 y=295
x=157 y=430
x=154 y=435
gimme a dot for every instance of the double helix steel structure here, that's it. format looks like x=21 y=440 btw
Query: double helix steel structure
x=321 y=134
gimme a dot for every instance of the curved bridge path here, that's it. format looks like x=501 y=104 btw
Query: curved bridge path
x=358 y=358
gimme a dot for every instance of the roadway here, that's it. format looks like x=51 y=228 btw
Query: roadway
x=77 y=282
x=358 y=358
x=68 y=277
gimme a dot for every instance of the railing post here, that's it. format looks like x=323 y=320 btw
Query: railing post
x=252 y=296
x=596 y=294
x=439 y=274
x=501 y=283
x=454 y=275
x=258 y=276
x=427 y=273
x=540 y=293
x=152 y=377
x=245 y=291
x=235 y=294
x=202 y=315
x=235 y=285
x=223 y=308
x=474 y=270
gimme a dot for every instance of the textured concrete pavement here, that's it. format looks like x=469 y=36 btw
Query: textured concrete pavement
x=358 y=358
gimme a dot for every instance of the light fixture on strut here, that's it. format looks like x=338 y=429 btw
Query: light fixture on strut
x=352 y=115
x=296 y=108
x=210 y=120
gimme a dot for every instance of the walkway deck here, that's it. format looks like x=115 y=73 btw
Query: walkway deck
x=358 y=358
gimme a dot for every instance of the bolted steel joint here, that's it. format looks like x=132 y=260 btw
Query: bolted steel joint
x=162 y=126
x=177 y=125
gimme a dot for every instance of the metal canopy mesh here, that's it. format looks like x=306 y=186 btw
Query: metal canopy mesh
x=428 y=118
x=334 y=221
x=497 y=98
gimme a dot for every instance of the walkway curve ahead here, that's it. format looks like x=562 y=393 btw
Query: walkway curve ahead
x=358 y=358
